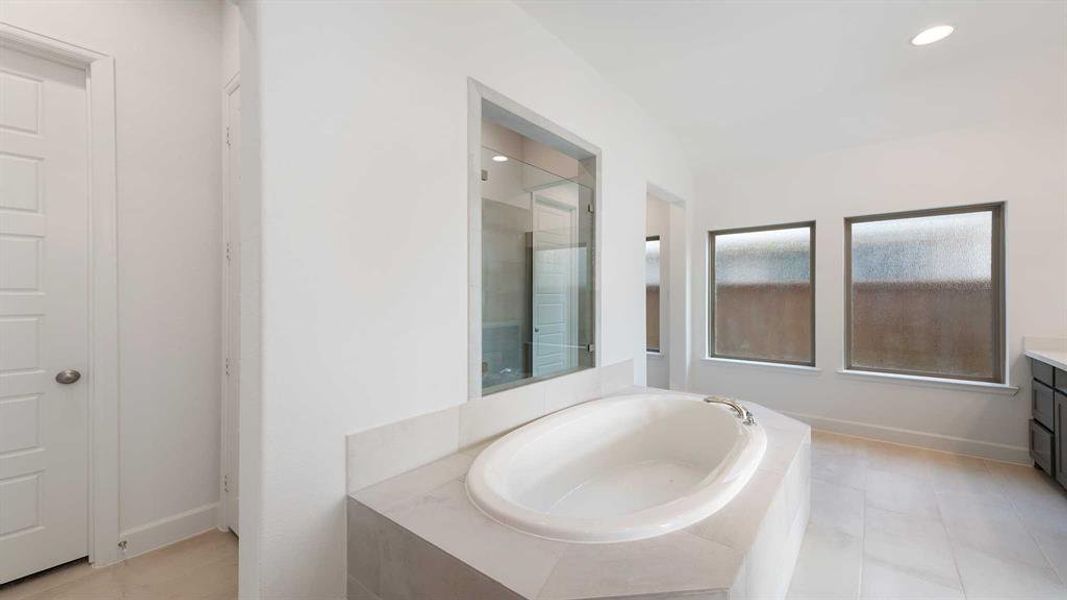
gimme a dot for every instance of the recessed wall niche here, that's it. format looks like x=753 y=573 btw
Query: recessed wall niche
x=533 y=248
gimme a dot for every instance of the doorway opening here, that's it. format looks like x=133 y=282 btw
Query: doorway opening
x=58 y=306
x=666 y=298
x=657 y=293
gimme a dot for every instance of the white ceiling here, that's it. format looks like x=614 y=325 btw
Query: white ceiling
x=757 y=81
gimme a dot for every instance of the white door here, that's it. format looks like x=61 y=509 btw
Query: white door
x=43 y=314
x=555 y=302
x=232 y=310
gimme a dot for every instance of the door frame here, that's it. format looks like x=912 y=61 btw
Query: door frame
x=228 y=455
x=679 y=292
x=102 y=378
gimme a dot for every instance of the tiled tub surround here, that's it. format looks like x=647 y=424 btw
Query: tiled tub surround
x=418 y=535
x=378 y=454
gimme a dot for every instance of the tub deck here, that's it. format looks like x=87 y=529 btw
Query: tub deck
x=417 y=535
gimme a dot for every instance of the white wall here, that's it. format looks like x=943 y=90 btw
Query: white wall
x=364 y=217
x=1018 y=158
x=168 y=114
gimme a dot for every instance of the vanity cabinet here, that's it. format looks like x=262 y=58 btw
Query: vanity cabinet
x=1048 y=426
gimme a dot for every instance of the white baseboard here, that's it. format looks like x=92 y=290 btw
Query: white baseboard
x=908 y=437
x=168 y=530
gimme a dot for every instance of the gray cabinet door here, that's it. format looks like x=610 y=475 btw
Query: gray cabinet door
x=1061 y=447
x=1042 y=405
x=1042 y=448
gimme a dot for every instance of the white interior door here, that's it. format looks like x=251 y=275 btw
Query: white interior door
x=555 y=273
x=43 y=314
x=232 y=311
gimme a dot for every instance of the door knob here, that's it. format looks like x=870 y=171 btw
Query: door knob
x=68 y=376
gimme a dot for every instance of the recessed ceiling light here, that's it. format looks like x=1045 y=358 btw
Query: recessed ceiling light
x=500 y=158
x=933 y=34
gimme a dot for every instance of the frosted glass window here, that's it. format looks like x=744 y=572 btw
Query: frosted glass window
x=761 y=294
x=925 y=293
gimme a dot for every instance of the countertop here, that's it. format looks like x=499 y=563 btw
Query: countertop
x=1056 y=358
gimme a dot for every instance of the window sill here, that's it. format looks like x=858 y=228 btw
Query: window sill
x=653 y=354
x=762 y=364
x=982 y=387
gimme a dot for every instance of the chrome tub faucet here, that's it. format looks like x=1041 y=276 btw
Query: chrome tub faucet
x=742 y=413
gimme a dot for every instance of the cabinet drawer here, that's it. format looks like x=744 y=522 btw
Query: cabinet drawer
x=1041 y=447
x=1042 y=401
x=1060 y=380
x=1042 y=372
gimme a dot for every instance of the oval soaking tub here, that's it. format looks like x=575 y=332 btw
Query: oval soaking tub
x=616 y=469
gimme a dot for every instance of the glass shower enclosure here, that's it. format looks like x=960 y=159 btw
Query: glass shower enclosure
x=537 y=272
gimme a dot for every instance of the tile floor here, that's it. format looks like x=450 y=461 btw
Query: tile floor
x=887 y=522
x=896 y=522
x=200 y=568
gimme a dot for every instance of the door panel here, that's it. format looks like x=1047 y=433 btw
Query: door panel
x=555 y=287
x=43 y=314
x=1042 y=447
x=1041 y=404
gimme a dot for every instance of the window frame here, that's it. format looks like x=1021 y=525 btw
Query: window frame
x=998 y=281
x=710 y=291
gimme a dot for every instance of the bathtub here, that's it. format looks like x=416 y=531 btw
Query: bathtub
x=617 y=469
